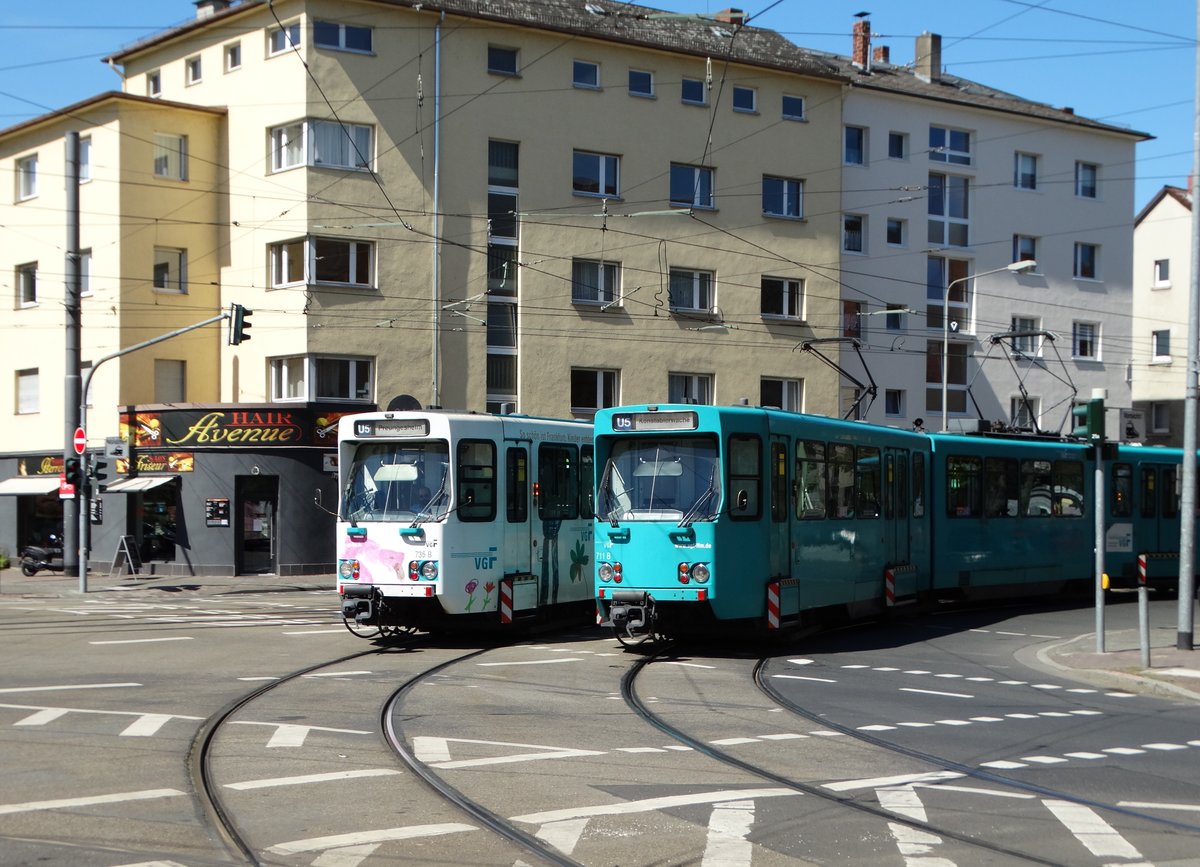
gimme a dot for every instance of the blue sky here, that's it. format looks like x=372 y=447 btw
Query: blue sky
x=1123 y=62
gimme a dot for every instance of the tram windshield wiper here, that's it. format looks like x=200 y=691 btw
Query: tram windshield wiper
x=614 y=493
x=425 y=513
x=691 y=514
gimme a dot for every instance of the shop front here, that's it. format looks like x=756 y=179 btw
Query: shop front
x=30 y=509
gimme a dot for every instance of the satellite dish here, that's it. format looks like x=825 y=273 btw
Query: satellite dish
x=404 y=403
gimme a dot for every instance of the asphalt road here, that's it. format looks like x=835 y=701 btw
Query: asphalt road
x=927 y=742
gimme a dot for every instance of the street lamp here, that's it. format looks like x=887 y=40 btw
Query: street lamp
x=1014 y=267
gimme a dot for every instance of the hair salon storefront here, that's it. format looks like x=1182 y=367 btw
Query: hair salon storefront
x=204 y=490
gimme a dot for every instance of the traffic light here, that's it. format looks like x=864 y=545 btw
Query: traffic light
x=96 y=471
x=239 y=323
x=1089 y=420
x=71 y=471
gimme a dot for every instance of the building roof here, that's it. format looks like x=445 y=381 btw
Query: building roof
x=717 y=36
x=1179 y=194
x=79 y=108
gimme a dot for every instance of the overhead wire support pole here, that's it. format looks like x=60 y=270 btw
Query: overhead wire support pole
x=72 y=339
x=1187 y=520
x=84 y=495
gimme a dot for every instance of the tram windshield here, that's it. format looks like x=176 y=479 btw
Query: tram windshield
x=397 y=482
x=661 y=479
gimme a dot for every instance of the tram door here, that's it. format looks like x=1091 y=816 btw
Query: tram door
x=518 y=533
x=780 y=525
x=897 y=531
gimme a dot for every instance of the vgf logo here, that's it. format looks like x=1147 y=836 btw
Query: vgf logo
x=485 y=562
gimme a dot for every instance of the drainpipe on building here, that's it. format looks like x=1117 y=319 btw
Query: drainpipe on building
x=437 y=211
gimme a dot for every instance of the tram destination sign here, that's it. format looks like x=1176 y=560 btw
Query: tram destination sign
x=639 y=421
x=391 y=427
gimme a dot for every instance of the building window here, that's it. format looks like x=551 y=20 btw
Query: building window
x=27 y=177
x=692 y=92
x=501 y=61
x=193 y=71
x=85 y=272
x=154 y=83
x=641 y=83
x=690 y=290
x=170 y=156
x=281 y=39
x=1024 y=340
x=894 y=319
x=1085 y=340
x=1024 y=412
x=947 y=277
x=1024 y=248
x=949 y=219
x=85 y=158
x=893 y=402
x=169 y=270
x=855 y=150
x=895 y=232
x=1162 y=274
x=596 y=174
x=1025 y=171
x=949 y=146
x=586 y=74
x=1160 y=417
x=786 y=394
x=745 y=99
x=1087 y=177
x=956 y=377
x=852 y=319
x=339 y=261
x=692 y=186
x=782 y=298
x=502 y=323
x=689 y=388
x=342 y=37
x=1161 y=341
x=170 y=381
x=27 y=391
x=1086 y=261
x=592 y=390
x=854 y=233
x=595 y=282
x=309 y=378
x=287 y=263
x=324 y=143
x=287 y=147
x=233 y=56
x=897 y=146
x=503 y=166
x=502 y=270
x=27 y=295
x=502 y=215
x=793 y=107
x=782 y=197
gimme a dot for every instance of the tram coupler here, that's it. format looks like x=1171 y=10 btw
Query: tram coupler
x=358 y=603
x=631 y=610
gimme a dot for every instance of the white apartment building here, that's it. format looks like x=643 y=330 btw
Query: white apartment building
x=1162 y=277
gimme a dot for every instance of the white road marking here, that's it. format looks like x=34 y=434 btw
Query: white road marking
x=916 y=725
x=67 y=686
x=1003 y=765
x=563 y=836
x=528 y=662
x=1152 y=805
x=1043 y=760
x=986 y=719
x=340 y=841
x=1085 y=755
x=320 y=632
x=147 y=725
x=640 y=750
x=730 y=742
x=64 y=803
x=917 y=671
x=935 y=692
x=689 y=664
x=266 y=677
x=1100 y=838
x=312 y=778
x=902 y=800
x=786 y=736
x=799 y=677
x=971 y=790
x=649 y=805
x=1123 y=751
x=435 y=752
x=800 y=661
x=916 y=845
x=877 y=728
x=953 y=722
x=290 y=735
x=901 y=780
x=339 y=674
x=348 y=856
x=1164 y=747
x=728 y=827
x=44 y=715
x=143 y=640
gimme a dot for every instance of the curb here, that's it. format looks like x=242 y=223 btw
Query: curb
x=1143 y=683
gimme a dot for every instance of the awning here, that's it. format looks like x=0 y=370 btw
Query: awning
x=138 y=483
x=29 y=485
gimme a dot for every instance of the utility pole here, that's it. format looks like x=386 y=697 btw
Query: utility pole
x=72 y=543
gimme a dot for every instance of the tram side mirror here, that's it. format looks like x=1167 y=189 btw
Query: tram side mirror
x=743 y=500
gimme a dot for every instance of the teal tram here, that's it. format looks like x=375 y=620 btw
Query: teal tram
x=762 y=519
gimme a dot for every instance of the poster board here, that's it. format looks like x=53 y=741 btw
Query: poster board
x=126 y=554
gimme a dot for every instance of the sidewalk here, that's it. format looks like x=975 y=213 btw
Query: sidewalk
x=1173 y=673
x=14 y=584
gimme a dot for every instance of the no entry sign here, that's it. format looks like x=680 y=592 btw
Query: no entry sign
x=80 y=441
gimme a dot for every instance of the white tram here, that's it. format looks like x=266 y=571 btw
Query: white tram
x=454 y=519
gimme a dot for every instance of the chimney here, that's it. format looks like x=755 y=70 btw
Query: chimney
x=883 y=54
x=929 y=57
x=209 y=8
x=731 y=16
x=861 y=37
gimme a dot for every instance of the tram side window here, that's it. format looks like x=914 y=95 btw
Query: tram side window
x=476 y=480
x=918 y=482
x=867 y=472
x=841 y=481
x=810 y=479
x=745 y=477
x=516 y=466
x=1000 y=475
x=1068 y=489
x=1035 y=488
x=964 y=487
x=587 y=482
x=558 y=482
x=902 y=485
x=1170 y=494
x=779 y=496
x=1149 y=492
x=1122 y=491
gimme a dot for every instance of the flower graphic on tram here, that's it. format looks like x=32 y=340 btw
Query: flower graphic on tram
x=579 y=562
x=470 y=588
x=487 y=593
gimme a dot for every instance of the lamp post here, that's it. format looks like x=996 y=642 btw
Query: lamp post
x=1014 y=267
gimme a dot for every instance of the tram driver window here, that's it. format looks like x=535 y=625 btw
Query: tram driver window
x=810 y=480
x=1068 y=489
x=1035 y=488
x=1001 y=488
x=867 y=481
x=1122 y=491
x=476 y=480
x=841 y=481
x=745 y=476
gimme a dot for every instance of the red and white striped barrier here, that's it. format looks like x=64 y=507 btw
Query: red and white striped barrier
x=889 y=587
x=773 y=605
x=506 y=601
x=1142 y=570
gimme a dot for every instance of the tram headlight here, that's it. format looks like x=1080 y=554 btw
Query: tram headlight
x=610 y=572
x=348 y=569
x=700 y=573
x=429 y=570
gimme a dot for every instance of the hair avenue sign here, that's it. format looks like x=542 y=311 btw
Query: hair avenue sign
x=232 y=427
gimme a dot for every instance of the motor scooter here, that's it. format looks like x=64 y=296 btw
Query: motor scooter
x=36 y=558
